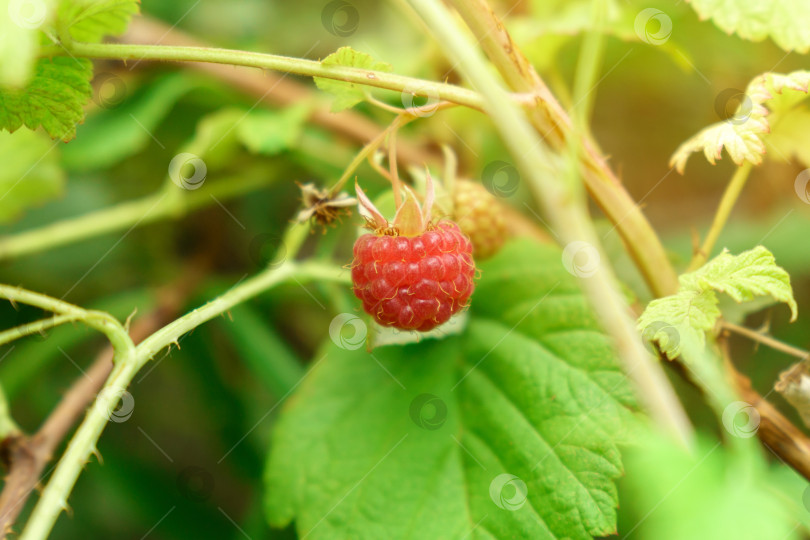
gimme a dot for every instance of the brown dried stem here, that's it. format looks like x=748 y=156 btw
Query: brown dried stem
x=26 y=456
x=554 y=124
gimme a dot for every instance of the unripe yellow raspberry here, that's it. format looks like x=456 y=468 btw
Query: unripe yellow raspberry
x=479 y=216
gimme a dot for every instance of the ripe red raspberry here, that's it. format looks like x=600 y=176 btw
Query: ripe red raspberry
x=417 y=282
x=410 y=274
x=480 y=217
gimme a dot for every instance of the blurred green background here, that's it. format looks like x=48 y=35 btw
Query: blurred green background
x=189 y=460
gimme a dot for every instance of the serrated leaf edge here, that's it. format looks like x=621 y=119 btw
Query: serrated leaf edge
x=742 y=140
x=698 y=283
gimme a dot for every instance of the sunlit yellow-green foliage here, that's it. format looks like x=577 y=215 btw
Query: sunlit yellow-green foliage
x=242 y=424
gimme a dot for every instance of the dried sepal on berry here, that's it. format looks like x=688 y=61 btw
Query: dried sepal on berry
x=411 y=274
x=411 y=218
x=374 y=218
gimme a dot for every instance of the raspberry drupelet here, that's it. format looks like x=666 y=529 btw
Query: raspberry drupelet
x=412 y=275
x=414 y=283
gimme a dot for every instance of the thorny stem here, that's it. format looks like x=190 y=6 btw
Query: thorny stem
x=101 y=321
x=568 y=216
x=545 y=113
x=36 y=327
x=552 y=122
x=83 y=444
x=730 y=196
x=28 y=454
x=303 y=272
x=121 y=216
x=311 y=68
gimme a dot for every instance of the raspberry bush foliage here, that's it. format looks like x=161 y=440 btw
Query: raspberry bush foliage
x=406 y=270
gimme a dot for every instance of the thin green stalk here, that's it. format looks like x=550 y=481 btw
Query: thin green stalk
x=729 y=199
x=450 y=171
x=122 y=216
x=101 y=321
x=83 y=444
x=568 y=216
x=766 y=340
x=359 y=158
x=300 y=66
x=367 y=151
x=704 y=366
x=292 y=241
x=551 y=121
x=396 y=184
x=8 y=426
x=588 y=63
x=36 y=327
x=302 y=272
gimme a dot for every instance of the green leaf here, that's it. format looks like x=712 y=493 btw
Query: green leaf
x=52 y=99
x=786 y=22
x=725 y=496
x=348 y=94
x=744 y=276
x=743 y=133
x=272 y=132
x=741 y=141
x=19 y=40
x=682 y=319
x=770 y=88
x=791 y=137
x=112 y=134
x=264 y=351
x=30 y=175
x=550 y=25
x=505 y=431
x=91 y=20
x=674 y=321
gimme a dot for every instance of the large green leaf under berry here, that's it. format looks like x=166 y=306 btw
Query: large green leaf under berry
x=437 y=439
